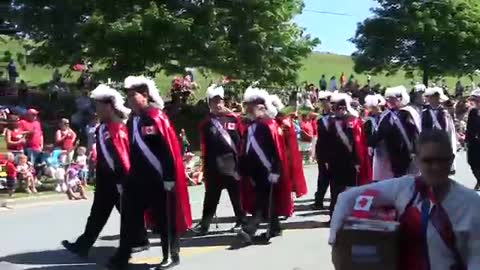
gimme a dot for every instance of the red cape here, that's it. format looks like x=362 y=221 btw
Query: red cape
x=183 y=211
x=282 y=192
x=294 y=159
x=202 y=139
x=360 y=143
x=119 y=135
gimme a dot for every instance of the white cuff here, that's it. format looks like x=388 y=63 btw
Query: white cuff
x=168 y=185
x=120 y=189
x=273 y=178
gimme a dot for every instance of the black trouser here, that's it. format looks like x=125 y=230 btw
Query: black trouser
x=341 y=178
x=140 y=195
x=213 y=190
x=322 y=183
x=104 y=199
x=264 y=209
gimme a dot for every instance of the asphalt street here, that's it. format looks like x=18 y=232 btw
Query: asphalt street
x=30 y=237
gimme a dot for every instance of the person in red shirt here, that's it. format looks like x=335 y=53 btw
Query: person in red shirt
x=65 y=138
x=11 y=171
x=14 y=137
x=306 y=135
x=34 y=135
x=313 y=120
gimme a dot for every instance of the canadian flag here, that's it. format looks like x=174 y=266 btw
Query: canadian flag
x=363 y=203
x=148 y=130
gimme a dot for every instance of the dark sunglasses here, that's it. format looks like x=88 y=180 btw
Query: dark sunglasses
x=431 y=160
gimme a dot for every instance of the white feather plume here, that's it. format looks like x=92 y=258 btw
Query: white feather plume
x=277 y=102
x=103 y=92
x=338 y=97
x=436 y=90
x=374 y=100
x=134 y=81
x=214 y=90
x=398 y=91
x=475 y=93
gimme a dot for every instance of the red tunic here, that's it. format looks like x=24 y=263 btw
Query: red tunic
x=295 y=164
x=119 y=136
x=361 y=149
x=183 y=211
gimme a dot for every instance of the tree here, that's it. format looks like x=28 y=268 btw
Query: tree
x=436 y=37
x=250 y=40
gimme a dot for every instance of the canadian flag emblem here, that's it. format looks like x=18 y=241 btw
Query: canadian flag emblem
x=231 y=126
x=148 y=130
x=363 y=203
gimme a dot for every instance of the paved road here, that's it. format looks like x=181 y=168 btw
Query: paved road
x=30 y=238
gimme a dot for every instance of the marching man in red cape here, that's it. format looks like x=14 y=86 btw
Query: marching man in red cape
x=294 y=158
x=266 y=189
x=112 y=167
x=157 y=178
x=220 y=135
x=344 y=149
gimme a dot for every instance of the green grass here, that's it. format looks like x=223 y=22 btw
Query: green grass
x=313 y=67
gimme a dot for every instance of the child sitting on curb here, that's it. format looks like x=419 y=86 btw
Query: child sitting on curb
x=75 y=189
x=26 y=172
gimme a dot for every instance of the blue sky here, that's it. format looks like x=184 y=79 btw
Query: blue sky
x=334 y=31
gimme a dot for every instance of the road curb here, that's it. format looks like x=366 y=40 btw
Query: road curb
x=32 y=200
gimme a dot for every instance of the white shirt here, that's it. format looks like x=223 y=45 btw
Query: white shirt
x=461 y=204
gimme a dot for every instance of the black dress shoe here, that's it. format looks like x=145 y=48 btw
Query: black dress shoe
x=168 y=263
x=141 y=247
x=200 y=230
x=75 y=249
x=236 y=228
x=244 y=237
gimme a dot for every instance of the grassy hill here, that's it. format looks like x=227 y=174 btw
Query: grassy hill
x=313 y=67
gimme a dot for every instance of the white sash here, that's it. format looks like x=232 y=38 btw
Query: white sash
x=399 y=124
x=256 y=147
x=374 y=123
x=224 y=134
x=436 y=124
x=103 y=147
x=382 y=116
x=325 y=121
x=343 y=136
x=137 y=138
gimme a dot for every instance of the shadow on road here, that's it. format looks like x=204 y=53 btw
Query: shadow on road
x=89 y=267
x=61 y=258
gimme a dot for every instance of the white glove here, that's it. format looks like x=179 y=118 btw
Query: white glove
x=168 y=185
x=273 y=178
x=120 y=189
x=370 y=151
x=236 y=176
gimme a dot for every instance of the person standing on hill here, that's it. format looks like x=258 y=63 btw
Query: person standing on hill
x=323 y=83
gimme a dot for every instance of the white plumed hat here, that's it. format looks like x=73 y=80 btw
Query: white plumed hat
x=338 y=97
x=324 y=94
x=436 y=90
x=214 y=90
x=398 y=92
x=475 y=93
x=253 y=94
x=419 y=87
x=136 y=81
x=374 y=100
x=104 y=92
x=277 y=102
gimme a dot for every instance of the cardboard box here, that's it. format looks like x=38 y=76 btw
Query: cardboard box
x=367 y=245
